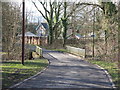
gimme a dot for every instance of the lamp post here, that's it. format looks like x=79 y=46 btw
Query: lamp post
x=23 y=31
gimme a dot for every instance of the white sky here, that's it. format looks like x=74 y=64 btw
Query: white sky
x=31 y=7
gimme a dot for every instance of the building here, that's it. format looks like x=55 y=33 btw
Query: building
x=40 y=38
x=42 y=30
x=78 y=36
x=30 y=38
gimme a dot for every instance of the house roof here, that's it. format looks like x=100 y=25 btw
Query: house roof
x=29 y=34
x=45 y=25
x=78 y=36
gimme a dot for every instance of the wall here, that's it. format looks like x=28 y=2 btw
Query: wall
x=77 y=51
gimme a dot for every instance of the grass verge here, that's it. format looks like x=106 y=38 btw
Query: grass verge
x=14 y=72
x=60 y=50
x=55 y=49
x=3 y=53
x=111 y=67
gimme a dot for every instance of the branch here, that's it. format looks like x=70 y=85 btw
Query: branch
x=43 y=4
x=39 y=10
x=51 y=10
x=90 y=4
x=77 y=5
x=57 y=13
x=73 y=9
x=90 y=10
x=56 y=24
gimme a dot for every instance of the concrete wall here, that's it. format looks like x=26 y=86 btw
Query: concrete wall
x=39 y=51
x=77 y=51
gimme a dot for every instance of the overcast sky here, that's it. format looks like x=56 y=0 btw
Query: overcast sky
x=31 y=7
x=34 y=13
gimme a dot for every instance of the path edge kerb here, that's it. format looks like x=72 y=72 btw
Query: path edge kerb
x=106 y=72
x=19 y=83
x=108 y=75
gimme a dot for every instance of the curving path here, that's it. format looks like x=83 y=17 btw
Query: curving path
x=67 y=71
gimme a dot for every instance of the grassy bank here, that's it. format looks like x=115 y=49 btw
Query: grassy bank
x=111 y=67
x=60 y=50
x=54 y=49
x=14 y=72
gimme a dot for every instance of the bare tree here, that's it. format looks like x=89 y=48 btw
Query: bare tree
x=51 y=15
x=10 y=24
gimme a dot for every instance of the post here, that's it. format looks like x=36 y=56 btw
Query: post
x=23 y=31
x=93 y=33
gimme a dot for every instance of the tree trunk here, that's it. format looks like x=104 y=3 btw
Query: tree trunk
x=64 y=22
x=65 y=33
x=50 y=32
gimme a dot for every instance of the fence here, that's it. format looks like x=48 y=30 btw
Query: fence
x=77 y=51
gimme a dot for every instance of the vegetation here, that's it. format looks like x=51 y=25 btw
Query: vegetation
x=10 y=22
x=64 y=23
x=31 y=27
x=13 y=71
x=97 y=24
x=52 y=17
x=59 y=50
x=111 y=67
x=77 y=17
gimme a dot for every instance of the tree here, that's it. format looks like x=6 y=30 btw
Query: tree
x=50 y=14
x=109 y=11
x=65 y=19
x=64 y=23
x=10 y=23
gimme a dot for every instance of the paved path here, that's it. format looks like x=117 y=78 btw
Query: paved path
x=67 y=71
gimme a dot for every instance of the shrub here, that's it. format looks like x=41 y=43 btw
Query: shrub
x=16 y=54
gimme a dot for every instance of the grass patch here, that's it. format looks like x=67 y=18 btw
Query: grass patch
x=111 y=67
x=55 y=49
x=3 y=52
x=60 y=50
x=14 y=72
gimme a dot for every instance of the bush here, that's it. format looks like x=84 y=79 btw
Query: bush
x=16 y=54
